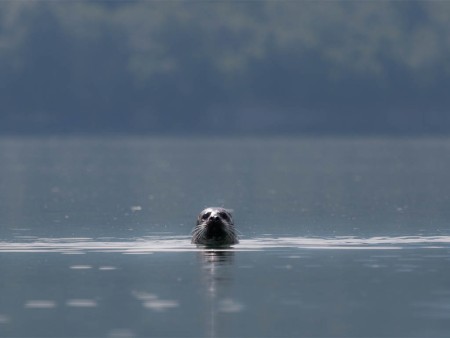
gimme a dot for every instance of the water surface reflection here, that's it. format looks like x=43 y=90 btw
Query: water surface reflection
x=216 y=266
x=151 y=244
x=294 y=283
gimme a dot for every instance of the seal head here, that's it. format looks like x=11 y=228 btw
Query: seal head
x=215 y=227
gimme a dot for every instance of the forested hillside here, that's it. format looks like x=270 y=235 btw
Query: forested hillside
x=239 y=67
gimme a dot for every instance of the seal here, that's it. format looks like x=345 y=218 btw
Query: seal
x=215 y=227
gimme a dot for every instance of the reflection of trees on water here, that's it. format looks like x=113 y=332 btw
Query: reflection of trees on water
x=216 y=276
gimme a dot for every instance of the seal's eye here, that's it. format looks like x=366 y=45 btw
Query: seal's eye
x=205 y=215
x=224 y=216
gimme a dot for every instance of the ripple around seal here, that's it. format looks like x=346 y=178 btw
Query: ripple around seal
x=151 y=244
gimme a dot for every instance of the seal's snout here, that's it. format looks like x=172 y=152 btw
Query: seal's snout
x=214 y=218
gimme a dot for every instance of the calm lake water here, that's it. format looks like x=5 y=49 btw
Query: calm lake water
x=339 y=238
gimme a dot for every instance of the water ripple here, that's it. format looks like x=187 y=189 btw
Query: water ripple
x=151 y=244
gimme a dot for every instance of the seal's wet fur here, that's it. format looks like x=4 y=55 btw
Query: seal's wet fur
x=215 y=227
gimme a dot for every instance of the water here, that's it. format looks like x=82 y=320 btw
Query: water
x=339 y=238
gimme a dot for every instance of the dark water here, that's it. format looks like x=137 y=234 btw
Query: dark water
x=339 y=238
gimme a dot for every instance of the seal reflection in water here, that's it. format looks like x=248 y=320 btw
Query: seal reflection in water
x=214 y=227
